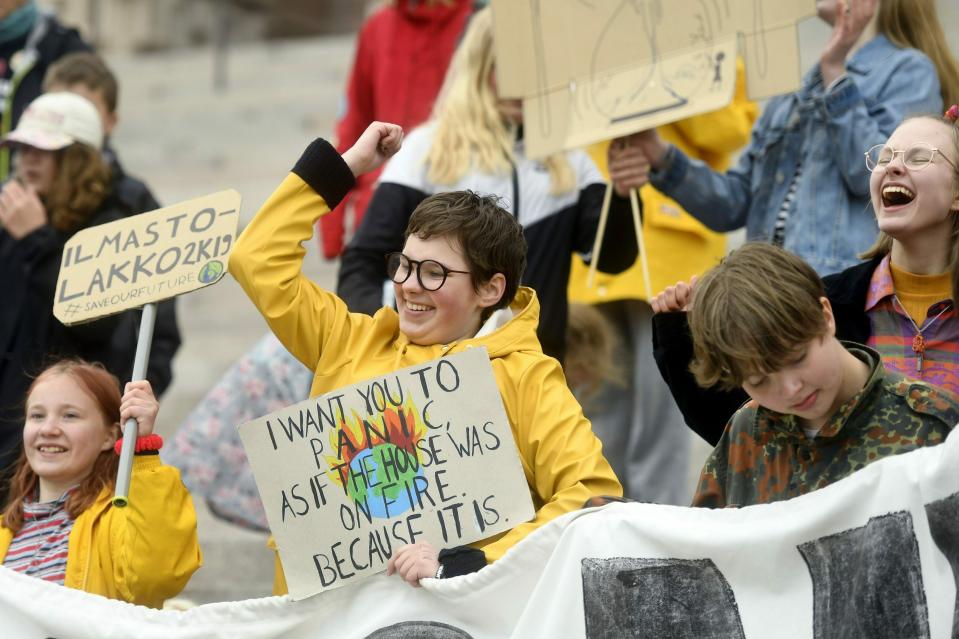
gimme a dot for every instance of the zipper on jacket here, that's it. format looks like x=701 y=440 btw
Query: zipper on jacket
x=515 y=191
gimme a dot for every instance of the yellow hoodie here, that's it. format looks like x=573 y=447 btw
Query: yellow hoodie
x=144 y=553
x=561 y=457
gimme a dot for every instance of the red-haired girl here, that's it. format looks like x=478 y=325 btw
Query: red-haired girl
x=59 y=523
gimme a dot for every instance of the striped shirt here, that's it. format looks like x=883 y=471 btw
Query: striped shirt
x=39 y=549
x=893 y=332
x=782 y=218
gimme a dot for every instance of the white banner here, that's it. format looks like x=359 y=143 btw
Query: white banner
x=875 y=555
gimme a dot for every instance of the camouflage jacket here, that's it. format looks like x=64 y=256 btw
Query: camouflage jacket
x=765 y=456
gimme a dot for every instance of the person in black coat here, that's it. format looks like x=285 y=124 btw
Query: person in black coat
x=31 y=39
x=707 y=410
x=62 y=185
x=86 y=74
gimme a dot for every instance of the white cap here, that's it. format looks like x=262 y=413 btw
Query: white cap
x=55 y=121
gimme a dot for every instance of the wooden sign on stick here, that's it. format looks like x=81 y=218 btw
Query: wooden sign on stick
x=146 y=258
x=592 y=71
x=424 y=453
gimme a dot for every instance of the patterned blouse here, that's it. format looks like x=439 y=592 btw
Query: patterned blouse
x=893 y=332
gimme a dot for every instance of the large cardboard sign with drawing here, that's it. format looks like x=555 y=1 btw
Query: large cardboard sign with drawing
x=591 y=71
x=424 y=453
x=146 y=258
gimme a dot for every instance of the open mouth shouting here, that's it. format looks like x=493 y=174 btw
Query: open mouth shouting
x=895 y=195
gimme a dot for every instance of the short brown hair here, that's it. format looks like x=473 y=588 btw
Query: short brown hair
x=87 y=69
x=104 y=388
x=491 y=239
x=752 y=312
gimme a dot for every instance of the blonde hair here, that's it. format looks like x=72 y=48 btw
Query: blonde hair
x=883 y=243
x=915 y=23
x=752 y=313
x=470 y=132
x=79 y=188
x=589 y=351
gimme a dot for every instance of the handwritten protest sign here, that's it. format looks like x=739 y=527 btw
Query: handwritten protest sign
x=146 y=258
x=591 y=71
x=424 y=453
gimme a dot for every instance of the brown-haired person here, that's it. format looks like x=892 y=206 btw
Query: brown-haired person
x=62 y=185
x=820 y=409
x=59 y=524
x=457 y=285
x=901 y=301
x=86 y=74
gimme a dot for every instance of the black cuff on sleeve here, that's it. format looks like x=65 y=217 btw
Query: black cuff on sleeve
x=324 y=170
x=461 y=560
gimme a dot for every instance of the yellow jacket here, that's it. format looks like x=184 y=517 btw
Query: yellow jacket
x=562 y=458
x=677 y=245
x=144 y=553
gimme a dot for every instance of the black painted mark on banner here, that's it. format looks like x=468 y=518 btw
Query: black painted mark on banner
x=419 y=630
x=943 y=518
x=657 y=598
x=867 y=581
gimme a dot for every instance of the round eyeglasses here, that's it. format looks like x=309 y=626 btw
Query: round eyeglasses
x=429 y=273
x=916 y=157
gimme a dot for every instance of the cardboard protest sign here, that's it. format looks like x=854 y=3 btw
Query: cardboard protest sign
x=591 y=71
x=424 y=453
x=146 y=258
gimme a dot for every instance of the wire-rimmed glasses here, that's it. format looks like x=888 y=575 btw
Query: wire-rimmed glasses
x=916 y=157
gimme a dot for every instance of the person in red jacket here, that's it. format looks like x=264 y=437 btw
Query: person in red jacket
x=402 y=53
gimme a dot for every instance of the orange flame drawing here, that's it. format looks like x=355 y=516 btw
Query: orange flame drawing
x=402 y=428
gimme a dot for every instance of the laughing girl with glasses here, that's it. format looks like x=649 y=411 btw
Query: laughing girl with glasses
x=901 y=302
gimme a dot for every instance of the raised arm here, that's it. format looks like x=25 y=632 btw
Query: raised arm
x=719 y=200
x=705 y=410
x=268 y=257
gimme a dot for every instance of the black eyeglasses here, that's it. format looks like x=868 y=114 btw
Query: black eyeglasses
x=429 y=273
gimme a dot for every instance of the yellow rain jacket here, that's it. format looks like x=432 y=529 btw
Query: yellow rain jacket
x=144 y=553
x=561 y=457
x=678 y=246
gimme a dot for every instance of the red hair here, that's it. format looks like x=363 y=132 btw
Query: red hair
x=104 y=389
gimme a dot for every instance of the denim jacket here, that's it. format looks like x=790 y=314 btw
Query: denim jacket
x=828 y=129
